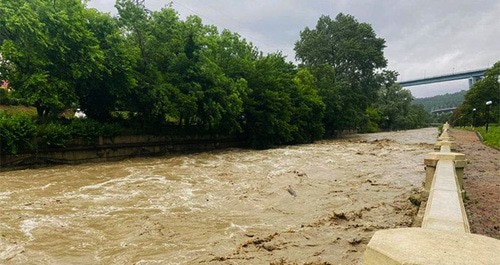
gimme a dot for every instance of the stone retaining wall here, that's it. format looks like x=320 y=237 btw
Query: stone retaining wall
x=105 y=149
x=444 y=236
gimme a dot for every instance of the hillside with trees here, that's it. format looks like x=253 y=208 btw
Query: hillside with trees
x=150 y=72
x=441 y=101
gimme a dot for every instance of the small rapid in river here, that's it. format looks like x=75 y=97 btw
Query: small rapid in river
x=312 y=203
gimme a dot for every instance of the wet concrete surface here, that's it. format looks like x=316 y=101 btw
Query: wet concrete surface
x=318 y=203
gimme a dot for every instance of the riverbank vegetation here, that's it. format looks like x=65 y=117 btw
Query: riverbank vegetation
x=481 y=107
x=492 y=137
x=482 y=102
x=149 y=72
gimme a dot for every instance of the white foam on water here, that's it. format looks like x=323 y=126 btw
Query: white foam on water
x=208 y=179
x=114 y=188
x=29 y=224
x=100 y=185
x=5 y=195
x=188 y=162
x=243 y=228
x=276 y=173
x=106 y=210
x=142 y=261
x=186 y=193
x=157 y=178
x=127 y=244
x=46 y=186
x=102 y=197
x=213 y=163
x=109 y=184
x=9 y=252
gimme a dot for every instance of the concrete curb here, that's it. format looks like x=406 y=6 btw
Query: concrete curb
x=444 y=236
x=480 y=136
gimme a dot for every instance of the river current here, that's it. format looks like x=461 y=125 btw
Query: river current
x=311 y=203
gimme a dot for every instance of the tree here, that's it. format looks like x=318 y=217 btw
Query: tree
x=393 y=104
x=486 y=89
x=352 y=48
x=268 y=108
x=157 y=41
x=134 y=19
x=234 y=55
x=178 y=70
x=354 y=54
x=417 y=117
x=110 y=87
x=308 y=108
x=49 y=49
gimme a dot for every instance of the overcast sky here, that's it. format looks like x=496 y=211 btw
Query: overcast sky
x=423 y=37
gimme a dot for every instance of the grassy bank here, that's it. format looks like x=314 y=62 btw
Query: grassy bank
x=492 y=137
x=18 y=110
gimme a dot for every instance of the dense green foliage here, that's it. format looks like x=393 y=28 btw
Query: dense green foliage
x=347 y=59
x=152 y=72
x=441 y=101
x=53 y=135
x=16 y=133
x=48 y=49
x=20 y=133
x=486 y=89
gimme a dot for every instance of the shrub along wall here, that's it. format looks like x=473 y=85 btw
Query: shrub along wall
x=24 y=142
x=21 y=134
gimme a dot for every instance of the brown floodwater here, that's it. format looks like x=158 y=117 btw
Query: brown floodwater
x=311 y=203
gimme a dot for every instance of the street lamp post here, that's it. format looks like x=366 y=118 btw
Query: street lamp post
x=488 y=106
x=456 y=121
x=474 y=117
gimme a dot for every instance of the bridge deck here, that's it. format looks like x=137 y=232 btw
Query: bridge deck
x=444 y=110
x=444 y=78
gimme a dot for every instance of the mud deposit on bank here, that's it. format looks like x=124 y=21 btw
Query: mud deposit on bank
x=317 y=203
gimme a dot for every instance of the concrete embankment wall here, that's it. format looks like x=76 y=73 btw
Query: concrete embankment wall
x=105 y=149
x=444 y=236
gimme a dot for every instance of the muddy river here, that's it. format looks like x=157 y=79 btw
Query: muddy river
x=318 y=204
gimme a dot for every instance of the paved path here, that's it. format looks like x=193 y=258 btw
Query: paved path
x=482 y=183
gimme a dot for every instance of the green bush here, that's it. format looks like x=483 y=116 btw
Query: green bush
x=16 y=133
x=86 y=129
x=53 y=135
x=7 y=98
x=111 y=130
x=4 y=97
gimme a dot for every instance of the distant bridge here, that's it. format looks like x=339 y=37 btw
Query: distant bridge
x=443 y=110
x=473 y=76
